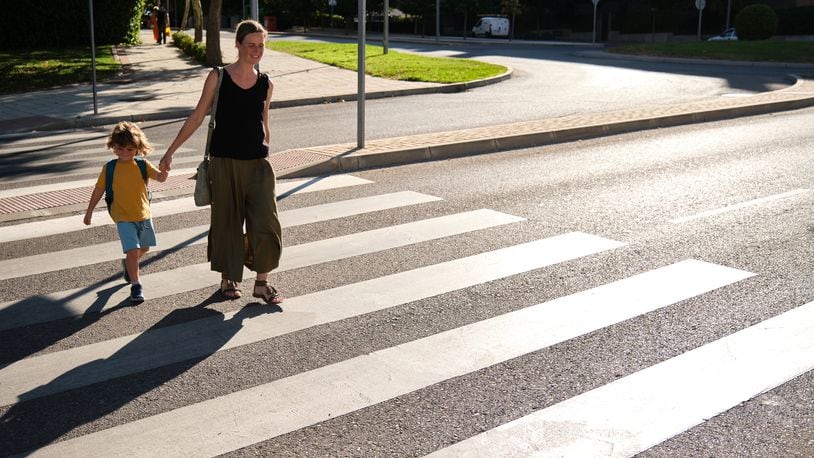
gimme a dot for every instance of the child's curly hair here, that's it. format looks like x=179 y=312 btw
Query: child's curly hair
x=128 y=134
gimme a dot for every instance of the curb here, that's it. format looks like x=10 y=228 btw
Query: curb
x=688 y=60
x=446 y=40
x=353 y=161
x=96 y=121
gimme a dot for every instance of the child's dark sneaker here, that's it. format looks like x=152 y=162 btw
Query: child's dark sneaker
x=126 y=275
x=136 y=294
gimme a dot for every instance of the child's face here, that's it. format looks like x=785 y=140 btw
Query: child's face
x=125 y=152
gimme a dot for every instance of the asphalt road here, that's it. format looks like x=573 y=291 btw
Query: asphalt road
x=734 y=196
x=548 y=81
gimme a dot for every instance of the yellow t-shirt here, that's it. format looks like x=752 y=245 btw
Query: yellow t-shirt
x=130 y=201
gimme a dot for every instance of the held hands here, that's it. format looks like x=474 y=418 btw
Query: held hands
x=165 y=165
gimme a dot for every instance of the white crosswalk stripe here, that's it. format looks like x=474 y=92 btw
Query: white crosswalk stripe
x=84 y=300
x=632 y=414
x=74 y=223
x=246 y=417
x=168 y=345
x=620 y=418
x=49 y=262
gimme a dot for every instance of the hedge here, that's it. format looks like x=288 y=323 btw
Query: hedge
x=51 y=24
x=187 y=44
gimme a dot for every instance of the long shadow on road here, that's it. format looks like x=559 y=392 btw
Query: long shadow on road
x=47 y=413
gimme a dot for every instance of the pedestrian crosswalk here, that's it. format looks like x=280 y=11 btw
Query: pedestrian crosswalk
x=49 y=387
x=630 y=415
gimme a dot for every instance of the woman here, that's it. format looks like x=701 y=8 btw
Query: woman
x=240 y=171
x=154 y=23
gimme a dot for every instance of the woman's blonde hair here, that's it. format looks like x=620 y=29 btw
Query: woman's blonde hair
x=248 y=26
x=128 y=134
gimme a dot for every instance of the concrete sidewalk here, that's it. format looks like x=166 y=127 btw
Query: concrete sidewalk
x=160 y=82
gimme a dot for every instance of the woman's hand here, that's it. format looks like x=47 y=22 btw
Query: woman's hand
x=165 y=165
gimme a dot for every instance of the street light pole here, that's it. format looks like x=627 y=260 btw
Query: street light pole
x=93 y=57
x=255 y=12
x=700 y=4
x=593 y=37
x=360 y=70
x=386 y=25
x=437 y=20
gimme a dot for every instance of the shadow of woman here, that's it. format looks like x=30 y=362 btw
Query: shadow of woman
x=50 y=411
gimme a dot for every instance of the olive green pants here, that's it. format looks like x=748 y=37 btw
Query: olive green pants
x=243 y=193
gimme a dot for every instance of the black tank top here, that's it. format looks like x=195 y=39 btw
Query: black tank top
x=239 y=120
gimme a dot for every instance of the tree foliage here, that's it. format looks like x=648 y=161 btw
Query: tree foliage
x=40 y=23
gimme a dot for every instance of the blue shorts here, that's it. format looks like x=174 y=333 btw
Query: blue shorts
x=138 y=234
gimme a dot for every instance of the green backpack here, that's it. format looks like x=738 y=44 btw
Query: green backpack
x=110 y=167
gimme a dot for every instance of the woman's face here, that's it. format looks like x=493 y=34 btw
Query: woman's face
x=251 y=50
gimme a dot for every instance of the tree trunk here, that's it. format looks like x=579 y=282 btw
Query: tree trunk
x=185 y=17
x=197 y=12
x=213 y=54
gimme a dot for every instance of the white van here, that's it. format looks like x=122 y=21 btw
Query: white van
x=492 y=26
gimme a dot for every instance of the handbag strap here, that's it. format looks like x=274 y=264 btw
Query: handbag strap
x=212 y=112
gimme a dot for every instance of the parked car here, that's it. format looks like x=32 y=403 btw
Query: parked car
x=728 y=35
x=491 y=27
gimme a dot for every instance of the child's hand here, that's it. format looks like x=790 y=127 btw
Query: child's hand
x=88 y=216
x=165 y=164
x=162 y=176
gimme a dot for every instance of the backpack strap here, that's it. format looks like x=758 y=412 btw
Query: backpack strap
x=109 y=168
x=142 y=165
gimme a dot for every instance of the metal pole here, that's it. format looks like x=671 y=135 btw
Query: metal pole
x=360 y=91
x=255 y=12
x=386 y=24
x=653 y=28
x=593 y=37
x=93 y=57
x=728 y=11
x=437 y=20
x=700 y=12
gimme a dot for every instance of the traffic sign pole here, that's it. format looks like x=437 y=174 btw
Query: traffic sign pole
x=360 y=69
x=700 y=4
x=593 y=38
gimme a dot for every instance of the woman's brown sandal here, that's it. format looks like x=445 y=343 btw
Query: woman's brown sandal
x=229 y=289
x=266 y=292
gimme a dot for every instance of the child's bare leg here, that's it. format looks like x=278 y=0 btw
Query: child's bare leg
x=131 y=260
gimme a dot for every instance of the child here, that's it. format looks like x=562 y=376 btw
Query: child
x=130 y=207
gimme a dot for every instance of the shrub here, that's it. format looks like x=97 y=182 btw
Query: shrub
x=66 y=23
x=185 y=42
x=756 y=22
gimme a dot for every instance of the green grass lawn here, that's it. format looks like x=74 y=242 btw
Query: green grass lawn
x=755 y=51
x=26 y=70
x=31 y=69
x=393 y=65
